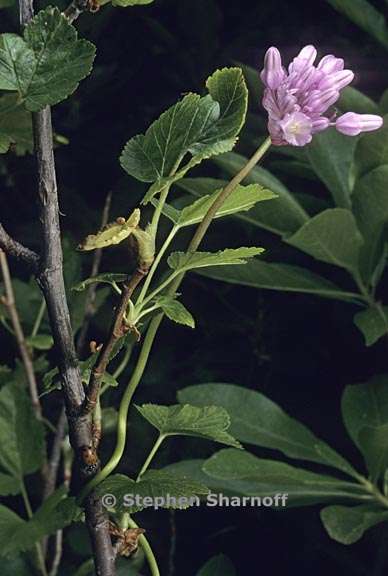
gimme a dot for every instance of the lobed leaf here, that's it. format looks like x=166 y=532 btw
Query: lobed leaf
x=208 y=422
x=175 y=310
x=184 y=261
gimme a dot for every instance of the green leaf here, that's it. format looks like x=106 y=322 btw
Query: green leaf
x=365 y=404
x=105 y=278
x=22 y=435
x=372 y=150
x=183 y=261
x=374 y=444
x=175 y=311
x=8 y=486
x=208 y=422
x=46 y=65
x=370 y=207
x=331 y=156
x=347 y=524
x=284 y=277
x=257 y=420
x=282 y=216
x=18 y=535
x=352 y=100
x=201 y=127
x=15 y=125
x=261 y=477
x=366 y=16
x=170 y=490
x=40 y=341
x=373 y=323
x=112 y=233
x=242 y=199
x=218 y=566
x=332 y=236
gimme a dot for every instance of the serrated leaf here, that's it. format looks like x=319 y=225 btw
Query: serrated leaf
x=46 y=65
x=347 y=524
x=257 y=420
x=282 y=216
x=333 y=237
x=18 y=535
x=201 y=127
x=170 y=491
x=373 y=323
x=242 y=199
x=22 y=446
x=276 y=276
x=40 y=341
x=261 y=477
x=175 y=311
x=113 y=233
x=218 y=566
x=183 y=261
x=208 y=422
x=105 y=278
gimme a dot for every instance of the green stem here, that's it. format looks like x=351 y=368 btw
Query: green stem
x=156 y=263
x=39 y=318
x=38 y=547
x=155 y=323
x=126 y=358
x=150 y=456
x=124 y=407
x=152 y=563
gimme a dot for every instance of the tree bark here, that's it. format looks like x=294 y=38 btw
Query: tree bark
x=50 y=279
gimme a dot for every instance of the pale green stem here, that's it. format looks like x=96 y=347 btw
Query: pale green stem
x=126 y=358
x=159 y=208
x=152 y=563
x=38 y=547
x=156 y=263
x=39 y=318
x=155 y=323
x=151 y=456
x=161 y=287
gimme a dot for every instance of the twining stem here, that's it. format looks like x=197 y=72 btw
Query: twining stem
x=155 y=323
x=151 y=456
x=152 y=563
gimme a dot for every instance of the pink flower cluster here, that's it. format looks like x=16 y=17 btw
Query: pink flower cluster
x=296 y=100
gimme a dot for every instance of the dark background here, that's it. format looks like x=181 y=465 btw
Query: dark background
x=299 y=350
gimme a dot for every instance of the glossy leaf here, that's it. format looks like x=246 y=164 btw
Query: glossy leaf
x=331 y=156
x=347 y=524
x=208 y=422
x=261 y=477
x=47 y=64
x=257 y=420
x=333 y=237
x=373 y=323
x=274 y=276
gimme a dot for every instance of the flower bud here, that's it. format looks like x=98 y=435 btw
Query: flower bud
x=352 y=124
x=273 y=73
